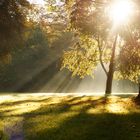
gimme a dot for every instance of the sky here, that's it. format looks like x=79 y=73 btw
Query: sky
x=41 y=2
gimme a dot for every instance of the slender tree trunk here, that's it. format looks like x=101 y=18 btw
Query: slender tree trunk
x=138 y=97
x=111 y=69
x=100 y=55
x=139 y=89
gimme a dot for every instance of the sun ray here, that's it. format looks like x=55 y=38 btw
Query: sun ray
x=121 y=11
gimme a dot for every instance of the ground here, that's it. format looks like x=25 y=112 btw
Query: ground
x=79 y=117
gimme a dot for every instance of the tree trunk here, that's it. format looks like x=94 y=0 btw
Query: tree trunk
x=111 y=69
x=138 y=97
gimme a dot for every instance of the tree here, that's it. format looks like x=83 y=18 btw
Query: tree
x=51 y=17
x=12 y=23
x=89 y=19
x=128 y=66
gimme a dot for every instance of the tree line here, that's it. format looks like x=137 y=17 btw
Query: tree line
x=94 y=42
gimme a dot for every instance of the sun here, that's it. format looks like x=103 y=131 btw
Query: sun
x=121 y=11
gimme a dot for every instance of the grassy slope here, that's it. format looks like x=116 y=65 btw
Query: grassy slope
x=39 y=117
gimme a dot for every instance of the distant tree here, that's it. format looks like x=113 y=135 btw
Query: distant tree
x=128 y=65
x=12 y=23
x=51 y=17
x=36 y=37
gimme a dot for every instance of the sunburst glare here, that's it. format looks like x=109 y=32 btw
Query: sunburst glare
x=121 y=11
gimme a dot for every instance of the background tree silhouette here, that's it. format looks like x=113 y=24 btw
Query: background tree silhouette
x=12 y=23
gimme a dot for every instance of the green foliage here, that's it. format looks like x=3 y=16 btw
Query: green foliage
x=88 y=20
x=129 y=58
x=82 y=58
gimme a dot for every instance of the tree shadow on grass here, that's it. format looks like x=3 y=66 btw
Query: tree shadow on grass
x=70 y=120
x=24 y=101
x=94 y=127
x=77 y=118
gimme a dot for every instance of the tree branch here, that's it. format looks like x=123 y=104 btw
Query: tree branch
x=100 y=57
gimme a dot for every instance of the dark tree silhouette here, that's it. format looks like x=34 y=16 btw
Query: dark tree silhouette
x=12 y=23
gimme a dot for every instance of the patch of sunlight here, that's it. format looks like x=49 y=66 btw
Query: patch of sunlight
x=22 y=103
x=25 y=103
x=79 y=107
x=97 y=110
x=26 y=107
x=56 y=100
x=116 y=108
x=114 y=104
x=21 y=97
x=109 y=108
x=20 y=109
x=4 y=98
x=117 y=105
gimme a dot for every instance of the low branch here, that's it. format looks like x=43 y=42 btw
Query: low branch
x=100 y=57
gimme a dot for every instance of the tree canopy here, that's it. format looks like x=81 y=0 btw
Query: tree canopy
x=12 y=23
x=91 y=19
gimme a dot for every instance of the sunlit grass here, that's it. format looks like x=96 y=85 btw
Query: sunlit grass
x=39 y=117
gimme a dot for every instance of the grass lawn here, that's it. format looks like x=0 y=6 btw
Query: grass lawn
x=41 y=117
